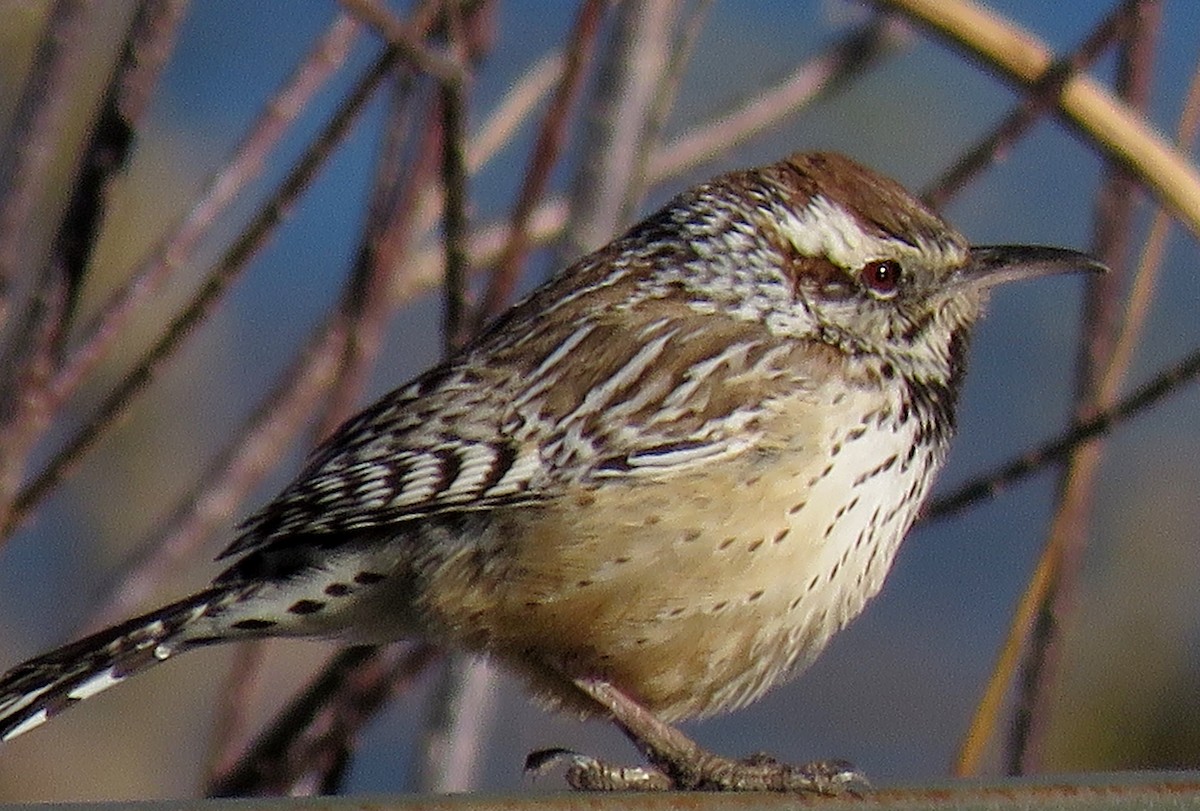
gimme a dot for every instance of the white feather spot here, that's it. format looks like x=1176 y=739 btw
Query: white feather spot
x=32 y=722
x=95 y=684
x=517 y=476
x=477 y=462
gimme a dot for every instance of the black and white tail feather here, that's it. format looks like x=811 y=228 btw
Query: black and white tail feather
x=39 y=689
x=278 y=591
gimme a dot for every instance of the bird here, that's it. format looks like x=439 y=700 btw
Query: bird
x=654 y=488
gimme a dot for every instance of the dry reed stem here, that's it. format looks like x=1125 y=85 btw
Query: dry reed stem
x=1115 y=130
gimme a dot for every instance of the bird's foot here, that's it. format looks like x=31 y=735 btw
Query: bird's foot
x=586 y=773
x=761 y=772
x=709 y=772
x=676 y=762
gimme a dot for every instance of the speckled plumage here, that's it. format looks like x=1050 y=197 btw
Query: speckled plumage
x=678 y=467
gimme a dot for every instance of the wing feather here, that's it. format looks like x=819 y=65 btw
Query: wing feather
x=651 y=390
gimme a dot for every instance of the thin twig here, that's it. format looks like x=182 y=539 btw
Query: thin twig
x=213 y=289
x=28 y=361
x=616 y=122
x=460 y=712
x=1040 y=100
x=1041 y=96
x=1110 y=127
x=143 y=55
x=380 y=256
x=176 y=250
x=110 y=141
x=994 y=482
x=407 y=39
x=546 y=150
x=497 y=130
x=1069 y=528
x=663 y=102
x=306 y=749
x=826 y=71
x=230 y=715
x=1146 y=276
x=822 y=74
x=517 y=105
x=38 y=122
x=454 y=217
x=246 y=164
x=249 y=454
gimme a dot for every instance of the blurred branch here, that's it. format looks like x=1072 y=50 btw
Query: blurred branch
x=453 y=105
x=307 y=749
x=501 y=125
x=1041 y=99
x=546 y=150
x=232 y=707
x=459 y=715
x=617 y=121
x=143 y=55
x=38 y=345
x=661 y=104
x=1146 y=276
x=39 y=121
x=1117 y=131
x=1124 y=138
x=407 y=40
x=28 y=358
x=1067 y=538
x=384 y=246
x=246 y=164
x=210 y=293
x=826 y=72
x=830 y=69
x=994 y=482
x=495 y=133
x=176 y=249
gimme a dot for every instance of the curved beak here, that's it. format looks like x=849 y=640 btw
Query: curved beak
x=990 y=265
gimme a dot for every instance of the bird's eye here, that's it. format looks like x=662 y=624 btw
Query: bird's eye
x=882 y=277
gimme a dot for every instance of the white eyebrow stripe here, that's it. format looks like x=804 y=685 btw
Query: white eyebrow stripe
x=823 y=228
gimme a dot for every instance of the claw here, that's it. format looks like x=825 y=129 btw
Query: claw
x=586 y=773
x=833 y=777
x=543 y=760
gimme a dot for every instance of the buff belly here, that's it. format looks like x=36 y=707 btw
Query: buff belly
x=694 y=593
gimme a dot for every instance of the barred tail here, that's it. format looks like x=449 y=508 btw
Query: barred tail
x=34 y=691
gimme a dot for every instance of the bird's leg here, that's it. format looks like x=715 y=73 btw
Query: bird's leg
x=679 y=763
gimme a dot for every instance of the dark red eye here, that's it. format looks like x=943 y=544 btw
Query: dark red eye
x=882 y=277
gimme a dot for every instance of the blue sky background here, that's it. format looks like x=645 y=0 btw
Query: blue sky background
x=894 y=691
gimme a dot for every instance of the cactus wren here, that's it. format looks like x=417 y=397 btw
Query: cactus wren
x=655 y=487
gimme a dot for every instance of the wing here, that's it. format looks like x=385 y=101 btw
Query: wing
x=680 y=391
x=541 y=404
x=436 y=444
